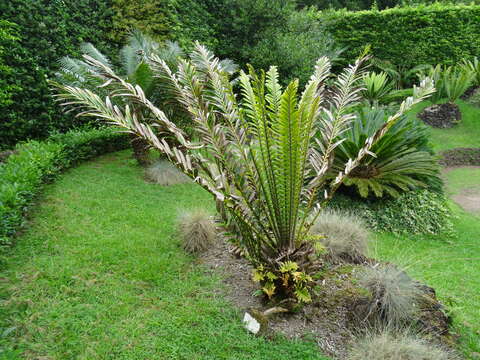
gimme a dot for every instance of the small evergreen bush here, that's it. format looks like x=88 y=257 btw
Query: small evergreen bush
x=414 y=212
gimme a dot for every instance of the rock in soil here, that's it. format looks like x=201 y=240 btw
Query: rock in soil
x=441 y=116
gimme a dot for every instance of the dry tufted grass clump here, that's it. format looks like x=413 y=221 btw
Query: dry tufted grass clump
x=394 y=296
x=197 y=230
x=392 y=346
x=165 y=173
x=345 y=235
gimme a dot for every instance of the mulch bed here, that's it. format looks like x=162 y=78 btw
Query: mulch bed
x=470 y=91
x=441 y=116
x=460 y=157
x=332 y=320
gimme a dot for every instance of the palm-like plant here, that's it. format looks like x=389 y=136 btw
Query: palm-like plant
x=254 y=155
x=134 y=69
x=377 y=87
x=401 y=76
x=474 y=66
x=400 y=161
x=451 y=82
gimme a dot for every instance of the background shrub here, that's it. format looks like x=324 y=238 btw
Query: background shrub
x=183 y=21
x=415 y=212
x=34 y=163
x=7 y=40
x=409 y=36
x=295 y=46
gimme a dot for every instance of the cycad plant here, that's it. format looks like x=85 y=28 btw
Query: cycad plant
x=400 y=161
x=253 y=152
x=134 y=69
x=401 y=76
x=451 y=82
x=377 y=87
x=474 y=67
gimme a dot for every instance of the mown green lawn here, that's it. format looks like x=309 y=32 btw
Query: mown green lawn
x=466 y=134
x=450 y=265
x=99 y=274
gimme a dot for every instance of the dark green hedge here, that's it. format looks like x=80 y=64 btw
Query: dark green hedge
x=46 y=31
x=409 y=36
x=34 y=163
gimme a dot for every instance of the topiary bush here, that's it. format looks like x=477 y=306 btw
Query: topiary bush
x=414 y=212
x=34 y=163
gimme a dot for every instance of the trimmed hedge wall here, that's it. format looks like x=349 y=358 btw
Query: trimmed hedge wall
x=436 y=34
x=46 y=31
x=34 y=163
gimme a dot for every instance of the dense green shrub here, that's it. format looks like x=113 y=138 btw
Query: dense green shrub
x=23 y=174
x=242 y=24
x=47 y=30
x=409 y=36
x=351 y=4
x=415 y=212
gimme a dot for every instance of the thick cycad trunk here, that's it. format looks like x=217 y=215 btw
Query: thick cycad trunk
x=140 y=150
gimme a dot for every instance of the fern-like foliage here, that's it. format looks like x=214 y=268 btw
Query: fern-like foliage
x=252 y=152
x=400 y=161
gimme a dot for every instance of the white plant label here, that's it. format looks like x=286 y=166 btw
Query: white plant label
x=251 y=324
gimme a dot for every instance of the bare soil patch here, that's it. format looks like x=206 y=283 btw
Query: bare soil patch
x=469 y=199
